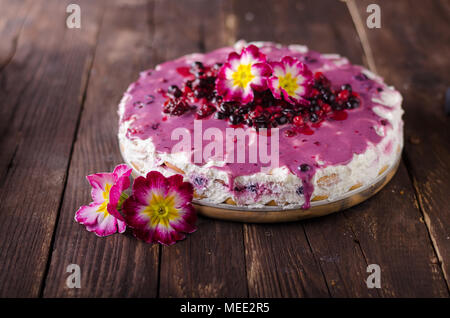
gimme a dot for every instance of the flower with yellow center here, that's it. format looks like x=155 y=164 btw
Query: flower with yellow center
x=288 y=83
x=291 y=80
x=159 y=209
x=241 y=74
x=102 y=216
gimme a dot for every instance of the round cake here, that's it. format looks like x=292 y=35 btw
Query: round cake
x=262 y=124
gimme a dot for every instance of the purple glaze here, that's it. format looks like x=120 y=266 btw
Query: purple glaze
x=334 y=141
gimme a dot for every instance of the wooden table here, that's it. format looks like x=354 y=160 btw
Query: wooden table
x=59 y=90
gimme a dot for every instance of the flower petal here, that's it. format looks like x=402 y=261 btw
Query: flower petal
x=98 y=182
x=183 y=194
x=97 y=222
x=87 y=214
x=252 y=54
x=122 y=171
x=167 y=235
x=133 y=213
x=121 y=226
x=187 y=220
x=106 y=225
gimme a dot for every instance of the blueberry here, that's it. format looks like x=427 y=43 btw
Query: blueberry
x=299 y=190
x=355 y=103
x=199 y=181
x=313 y=117
x=248 y=122
x=243 y=110
x=150 y=99
x=174 y=91
x=282 y=120
x=326 y=97
x=220 y=115
x=361 y=77
x=235 y=119
x=309 y=59
x=336 y=106
x=304 y=167
x=261 y=124
x=238 y=188
x=196 y=66
x=346 y=87
x=224 y=108
x=252 y=188
x=217 y=66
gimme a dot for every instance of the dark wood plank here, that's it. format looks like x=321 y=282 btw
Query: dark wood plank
x=411 y=51
x=119 y=265
x=280 y=262
x=209 y=263
x=12 y=18
x=335 y=240
x=391 y=233
x=40 y=96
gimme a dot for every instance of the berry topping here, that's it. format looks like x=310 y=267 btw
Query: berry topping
x=294 y=96
x=298 y=121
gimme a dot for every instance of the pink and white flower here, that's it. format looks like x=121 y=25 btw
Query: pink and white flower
x=291 y=80
x=243 y=73
x=159 y=209
x=102 y=216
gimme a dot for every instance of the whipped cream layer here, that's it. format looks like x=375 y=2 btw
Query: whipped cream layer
x=343 y=152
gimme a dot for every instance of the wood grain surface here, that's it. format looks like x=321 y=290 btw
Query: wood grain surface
x=411 y=56
x=59 y=90
x=41 y=92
